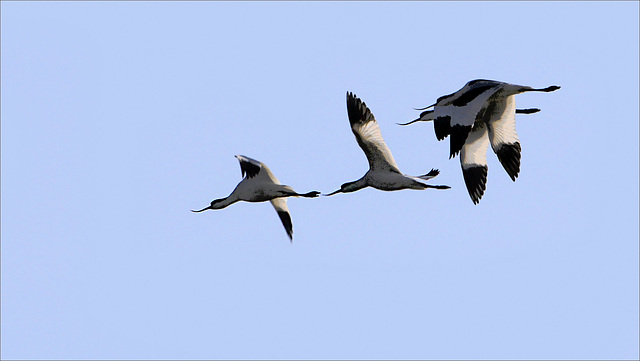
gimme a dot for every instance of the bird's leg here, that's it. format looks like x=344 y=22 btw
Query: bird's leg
x=312 y=194
x=437 y=187
x=527 y=111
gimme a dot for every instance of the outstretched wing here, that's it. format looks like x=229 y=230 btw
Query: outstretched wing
x=280 y=204
x=455 y=114
x=367 y=132
x=500 y=117
x=473 y=159
x=253 y=168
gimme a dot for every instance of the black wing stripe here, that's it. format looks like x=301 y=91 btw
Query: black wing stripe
x=468 y=96
x=459 y=134
x=442 y=127
x=444 y=97
x=248 y=168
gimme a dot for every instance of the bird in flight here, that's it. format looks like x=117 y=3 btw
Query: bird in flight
x=482 y=112
x=260 y=185
x=383 y=172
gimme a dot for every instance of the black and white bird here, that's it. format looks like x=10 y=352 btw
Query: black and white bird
x=260 y=185
x=383 y=172
x=482 y=112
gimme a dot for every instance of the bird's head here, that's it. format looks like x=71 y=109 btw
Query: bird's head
x=215 y=204
x=345 y=188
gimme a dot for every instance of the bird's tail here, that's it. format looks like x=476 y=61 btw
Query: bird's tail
x=432 y=174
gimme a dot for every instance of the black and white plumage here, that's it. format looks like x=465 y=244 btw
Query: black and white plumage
x=481 y=113
x=383 y=171
x=260 y=185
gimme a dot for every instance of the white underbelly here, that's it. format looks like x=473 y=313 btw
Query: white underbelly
x=389 y=181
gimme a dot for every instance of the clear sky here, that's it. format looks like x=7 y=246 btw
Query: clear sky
x=118 y=118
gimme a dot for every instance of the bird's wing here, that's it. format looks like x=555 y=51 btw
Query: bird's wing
x=470 y=95
x=457 y=113
x=473 y=158
x=501 y=119
x=367 y=132
x=280 y=204
x=253 y=168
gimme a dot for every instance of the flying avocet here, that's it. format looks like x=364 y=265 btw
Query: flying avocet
x=260 y=185
x=482 y=112
x=383 y=172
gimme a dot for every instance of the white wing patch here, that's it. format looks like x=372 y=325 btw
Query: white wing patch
x=502 y=123
x=474 y=151
x=370 y=140
x=267 y=176
x=473 y=158
x=280 y=204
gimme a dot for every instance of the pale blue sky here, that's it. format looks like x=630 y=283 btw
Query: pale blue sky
x=120 y=117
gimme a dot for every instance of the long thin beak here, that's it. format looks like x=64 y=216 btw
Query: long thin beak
x=330 y=194
x=411 y=122
x=202 y=210
x=425 y=108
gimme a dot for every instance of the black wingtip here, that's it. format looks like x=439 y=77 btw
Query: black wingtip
x=247 y=167
x=351 y=97
x=285 y=217
x=475 y=178
x=357 y=110
x=509 y=156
